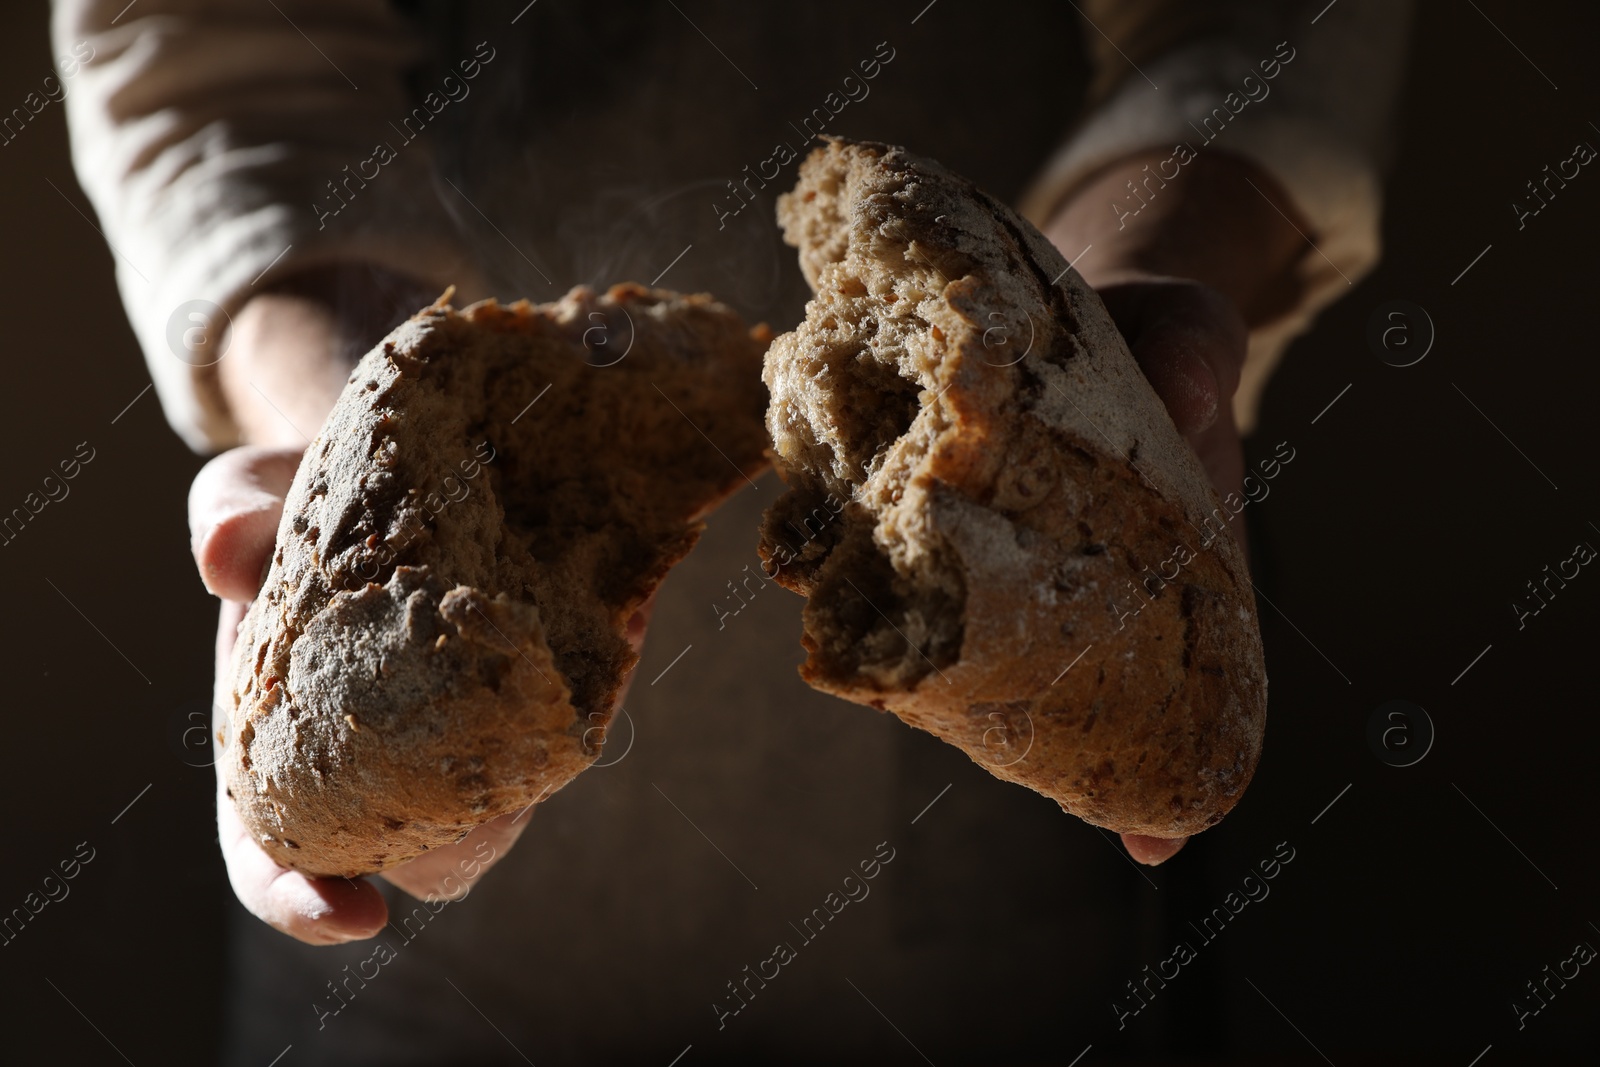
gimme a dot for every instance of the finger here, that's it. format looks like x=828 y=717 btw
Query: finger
x=450 y=872
x=228 y=620
x=639 y=621
x=1152 y=851
x=318 y=911
x=1189 y=341
x=234 y=507
x=1222 y=455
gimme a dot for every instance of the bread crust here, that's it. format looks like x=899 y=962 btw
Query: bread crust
x=1026 y=564
x=441 y=637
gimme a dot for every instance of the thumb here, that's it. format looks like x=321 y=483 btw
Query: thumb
x=1189 y=341
x=449 y=872
x=1152 y=851
x=234 y=506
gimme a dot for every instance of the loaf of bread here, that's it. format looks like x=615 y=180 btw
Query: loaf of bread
x=442 y=635
x=1002 y=536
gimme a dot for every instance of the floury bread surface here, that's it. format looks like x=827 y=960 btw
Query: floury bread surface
x=441 y=638
x=1023 y=563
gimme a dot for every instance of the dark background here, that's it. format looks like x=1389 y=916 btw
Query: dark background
x=1416 y=907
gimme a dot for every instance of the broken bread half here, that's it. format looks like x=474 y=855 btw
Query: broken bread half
x=1001 y=535
x=442 y=635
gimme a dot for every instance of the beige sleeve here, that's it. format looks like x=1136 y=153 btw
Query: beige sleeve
x=1164 y=72
x=206 y=134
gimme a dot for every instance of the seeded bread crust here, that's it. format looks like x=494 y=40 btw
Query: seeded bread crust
x=1025 y=563
x=441 y=637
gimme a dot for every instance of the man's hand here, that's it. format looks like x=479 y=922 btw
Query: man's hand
x=289 y=353
x=1207 y=257
x=234 y=506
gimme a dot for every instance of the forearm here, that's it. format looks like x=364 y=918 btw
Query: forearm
x=1223 y=221
x=1268 y=81
x=224 y=157
x=291 y=348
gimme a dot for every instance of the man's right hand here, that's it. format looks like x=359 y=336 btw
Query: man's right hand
x=1206 y=261
x=234 y=507
x=289 y=353
x=290 y=350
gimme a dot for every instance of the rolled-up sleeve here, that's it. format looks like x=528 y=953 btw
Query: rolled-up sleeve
x=217 y=140
x=1171 y=73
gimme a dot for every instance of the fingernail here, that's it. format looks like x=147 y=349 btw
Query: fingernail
x=340 y=935
x=197 y=535
x=1152 y=851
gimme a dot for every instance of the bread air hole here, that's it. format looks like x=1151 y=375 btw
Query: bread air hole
x=873 y=407
x=861 y=408
x=889 y=606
